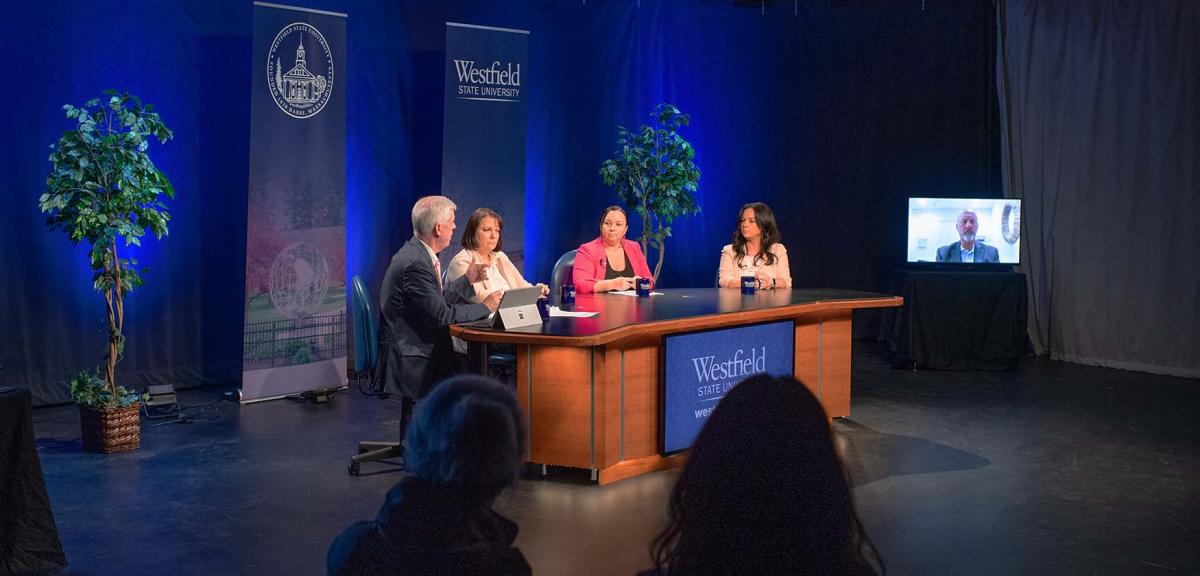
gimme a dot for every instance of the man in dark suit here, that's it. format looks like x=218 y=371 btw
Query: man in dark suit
x=414 y=337
x=967 y=249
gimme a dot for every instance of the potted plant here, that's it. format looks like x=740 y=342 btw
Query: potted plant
x=104 y=190
x=654 y=173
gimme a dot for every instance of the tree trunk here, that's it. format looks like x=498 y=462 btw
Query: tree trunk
x=662 y=248
x=645 y=230
x=111 y=365
x=116 y=319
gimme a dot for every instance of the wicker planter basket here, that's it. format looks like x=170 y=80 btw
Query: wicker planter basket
x=109 y=431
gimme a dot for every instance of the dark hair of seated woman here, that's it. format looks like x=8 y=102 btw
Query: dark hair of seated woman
x=765 y=218
x=763 y=492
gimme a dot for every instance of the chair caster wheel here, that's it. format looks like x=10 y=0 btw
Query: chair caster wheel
x=353 y=469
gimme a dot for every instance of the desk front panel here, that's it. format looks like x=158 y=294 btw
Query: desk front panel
x=592 y=399
x=597 y=407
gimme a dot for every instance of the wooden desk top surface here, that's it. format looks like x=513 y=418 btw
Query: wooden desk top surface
x=676 y=310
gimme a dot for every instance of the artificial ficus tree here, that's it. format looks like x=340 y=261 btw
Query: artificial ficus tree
x=103 y=190
x=654 y=172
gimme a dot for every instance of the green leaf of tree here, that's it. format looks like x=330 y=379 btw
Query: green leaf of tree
x=654 y=173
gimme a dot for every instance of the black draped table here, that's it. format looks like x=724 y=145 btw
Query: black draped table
x=28 y=538
x=971 y=320
x=590 y=386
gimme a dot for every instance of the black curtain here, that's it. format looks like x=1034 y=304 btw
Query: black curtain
x=1100 y=108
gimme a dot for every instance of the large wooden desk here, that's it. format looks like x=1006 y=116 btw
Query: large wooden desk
x=590 y=386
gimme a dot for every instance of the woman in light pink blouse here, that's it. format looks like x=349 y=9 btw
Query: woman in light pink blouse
x=481 y=261
x=755 y=251
x=487 y=268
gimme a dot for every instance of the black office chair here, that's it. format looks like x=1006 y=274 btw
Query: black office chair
x=502 y=366
x=366 y=359
x=563 y=270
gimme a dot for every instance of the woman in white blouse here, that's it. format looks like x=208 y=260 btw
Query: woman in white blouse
x=481 y=261
x=755 y=251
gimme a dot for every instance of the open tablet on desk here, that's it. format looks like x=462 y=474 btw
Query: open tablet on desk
x=521 y=297
x=518 y=307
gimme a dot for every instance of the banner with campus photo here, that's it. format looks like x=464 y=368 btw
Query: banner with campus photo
x=483 y=144
x=295 y=323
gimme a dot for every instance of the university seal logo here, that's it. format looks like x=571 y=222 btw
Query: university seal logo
x=301 y=86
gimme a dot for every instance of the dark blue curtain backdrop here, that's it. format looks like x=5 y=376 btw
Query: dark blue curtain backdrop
x=832 y=112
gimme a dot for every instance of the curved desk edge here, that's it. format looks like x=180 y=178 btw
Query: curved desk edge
x=704 y=322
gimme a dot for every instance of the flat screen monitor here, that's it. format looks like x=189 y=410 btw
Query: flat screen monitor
x=968 y=232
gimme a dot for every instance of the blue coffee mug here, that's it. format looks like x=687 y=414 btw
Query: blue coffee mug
x=643 y=287
x=748 y=284
x=567 y=295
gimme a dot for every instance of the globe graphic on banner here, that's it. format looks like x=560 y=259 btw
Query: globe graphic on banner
x=299 y=280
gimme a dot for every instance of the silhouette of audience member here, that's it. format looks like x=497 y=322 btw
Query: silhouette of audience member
x=763 y=492
x=464 y=446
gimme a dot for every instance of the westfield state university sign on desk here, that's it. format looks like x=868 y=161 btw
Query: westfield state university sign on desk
x=702 y=367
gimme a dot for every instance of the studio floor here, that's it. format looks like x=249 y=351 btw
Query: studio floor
x=1053 y=469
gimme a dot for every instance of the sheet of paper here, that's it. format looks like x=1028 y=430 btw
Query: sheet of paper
x=556 y=312
x=632 y=293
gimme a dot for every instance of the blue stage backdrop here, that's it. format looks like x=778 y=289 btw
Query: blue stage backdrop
x=295 y=312
x=483 y=144
x=832 y=113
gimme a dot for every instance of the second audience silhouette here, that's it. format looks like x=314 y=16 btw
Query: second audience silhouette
x=464 y=446
x=763 y=492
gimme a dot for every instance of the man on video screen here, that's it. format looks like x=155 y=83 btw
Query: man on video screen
x=967 y=249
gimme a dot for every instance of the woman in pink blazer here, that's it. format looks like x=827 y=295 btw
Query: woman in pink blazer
x=610 y=262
